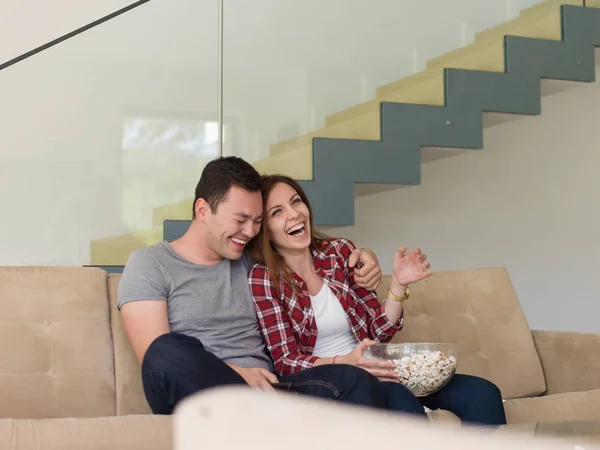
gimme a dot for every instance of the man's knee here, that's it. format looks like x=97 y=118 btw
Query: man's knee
x=171 y=348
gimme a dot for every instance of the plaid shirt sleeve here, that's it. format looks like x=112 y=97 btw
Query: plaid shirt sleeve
x=275 y=325
x=379 y=327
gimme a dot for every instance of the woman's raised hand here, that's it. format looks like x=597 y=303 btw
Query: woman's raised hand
x=410 y=267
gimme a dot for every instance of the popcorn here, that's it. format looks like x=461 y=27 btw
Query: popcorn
x=425 y=372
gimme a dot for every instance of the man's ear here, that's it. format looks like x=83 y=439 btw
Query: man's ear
x=202 y=209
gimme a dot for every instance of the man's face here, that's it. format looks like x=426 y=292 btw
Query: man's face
x=236 y=221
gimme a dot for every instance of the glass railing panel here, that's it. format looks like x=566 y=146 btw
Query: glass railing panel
x=106 y=133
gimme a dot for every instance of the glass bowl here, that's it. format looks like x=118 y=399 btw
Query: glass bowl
x=423 y=368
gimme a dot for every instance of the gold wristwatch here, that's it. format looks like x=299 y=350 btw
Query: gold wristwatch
x=398 y=298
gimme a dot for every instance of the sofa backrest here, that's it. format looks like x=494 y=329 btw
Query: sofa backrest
x=130 y=393
x=56 y=353
x=479 y=309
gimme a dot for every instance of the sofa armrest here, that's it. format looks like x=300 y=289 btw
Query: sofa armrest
x=571 y=361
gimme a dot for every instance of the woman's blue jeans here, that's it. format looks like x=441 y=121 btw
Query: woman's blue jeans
x=474 y=400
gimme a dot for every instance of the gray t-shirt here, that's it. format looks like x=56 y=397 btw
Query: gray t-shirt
x=210 y=303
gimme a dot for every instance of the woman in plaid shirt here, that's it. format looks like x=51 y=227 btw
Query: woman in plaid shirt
x=311 y=311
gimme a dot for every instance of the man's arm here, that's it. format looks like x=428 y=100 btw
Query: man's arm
x=143 y=294
x=368 y=276
x=144 y=321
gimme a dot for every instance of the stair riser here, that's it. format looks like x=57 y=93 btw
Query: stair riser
x=405 y=128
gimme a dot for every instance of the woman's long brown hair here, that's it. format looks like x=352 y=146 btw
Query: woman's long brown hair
x=261 y=249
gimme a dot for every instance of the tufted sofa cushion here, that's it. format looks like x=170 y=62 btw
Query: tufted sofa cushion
x=479 y=309
x=56 y=357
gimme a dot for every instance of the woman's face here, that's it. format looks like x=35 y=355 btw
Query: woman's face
x=287 y=219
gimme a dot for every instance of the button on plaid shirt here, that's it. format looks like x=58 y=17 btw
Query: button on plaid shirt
x=287 y=322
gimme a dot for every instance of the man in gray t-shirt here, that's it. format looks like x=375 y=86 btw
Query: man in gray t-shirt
x=188 y=313
x=210 y=303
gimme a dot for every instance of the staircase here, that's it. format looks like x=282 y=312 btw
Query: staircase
x=437 y=113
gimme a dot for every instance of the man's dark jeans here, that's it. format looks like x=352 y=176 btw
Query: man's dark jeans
x=176 y=366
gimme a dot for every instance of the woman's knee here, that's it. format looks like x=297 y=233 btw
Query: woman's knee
x=399 y=398
x=352 y=379
x=478 y=387
x=352 y=375
x=481 y=400
x=356 y=385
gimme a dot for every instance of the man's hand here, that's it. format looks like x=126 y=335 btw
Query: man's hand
x=368 y=276
x=257 y=378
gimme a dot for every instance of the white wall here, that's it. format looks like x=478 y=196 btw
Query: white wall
x=527 y=202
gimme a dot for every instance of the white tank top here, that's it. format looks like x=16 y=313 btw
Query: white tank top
x=335 y=336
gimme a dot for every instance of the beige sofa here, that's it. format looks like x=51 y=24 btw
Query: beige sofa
x=69 y=380
x=544 y=376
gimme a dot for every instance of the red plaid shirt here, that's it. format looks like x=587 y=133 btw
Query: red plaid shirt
x=287 y=321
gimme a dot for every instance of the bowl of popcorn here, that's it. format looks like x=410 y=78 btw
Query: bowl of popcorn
x=423 y=368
